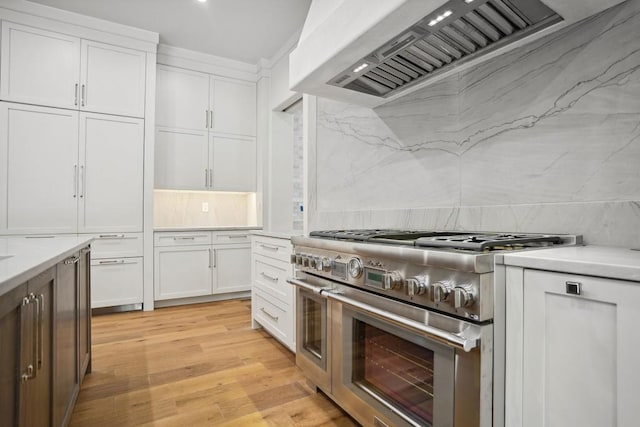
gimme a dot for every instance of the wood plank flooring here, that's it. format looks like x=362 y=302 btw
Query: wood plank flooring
x=196 y=365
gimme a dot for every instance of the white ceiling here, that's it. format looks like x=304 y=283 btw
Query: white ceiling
x=244 y=30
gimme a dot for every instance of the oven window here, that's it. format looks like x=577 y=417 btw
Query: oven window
x=312 y=327
x=394 y=371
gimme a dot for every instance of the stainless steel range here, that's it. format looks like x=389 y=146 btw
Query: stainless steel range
x=404 y=327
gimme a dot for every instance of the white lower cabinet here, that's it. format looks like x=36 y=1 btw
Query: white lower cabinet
x=116 y=269
x=273 y=299
x=193 y=264
x=572 y=346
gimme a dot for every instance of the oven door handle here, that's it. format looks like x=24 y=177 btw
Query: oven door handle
x=465 y=343
x=303 y=285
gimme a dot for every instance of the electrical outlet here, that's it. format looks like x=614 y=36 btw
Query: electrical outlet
x=205 y=207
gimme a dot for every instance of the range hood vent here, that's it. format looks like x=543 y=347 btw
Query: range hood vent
x=457 y=32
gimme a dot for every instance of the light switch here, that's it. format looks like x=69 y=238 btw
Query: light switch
x=205 y=206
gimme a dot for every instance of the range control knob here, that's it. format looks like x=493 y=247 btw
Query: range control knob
x=463 y=296
x=355 y=267
x=416 y=286
x=326 y=264
x=305 y=260
x=319 y=265
x=441 y=291
x=391 y=280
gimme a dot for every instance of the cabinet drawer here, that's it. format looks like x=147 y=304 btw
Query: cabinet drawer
x=116 y=281
x=277 y=320
x=279 y=249
x=116 y=245
x=182 y=238
x=231 y=237
x=272 y=277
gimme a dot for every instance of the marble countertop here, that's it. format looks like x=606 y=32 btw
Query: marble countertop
x=277 y=234
x=22 y=258
x=205 y=228
x=601 y=261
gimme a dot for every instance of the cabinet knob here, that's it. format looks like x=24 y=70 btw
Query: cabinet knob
x=573 y=288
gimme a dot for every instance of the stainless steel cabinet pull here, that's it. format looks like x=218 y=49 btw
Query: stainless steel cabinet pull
x=210 y=258
x=112 y=261
x=40 y=314
x=75 y=181
x=111 y=236
x=215 y=258
x=271 y=248
x=267 y=276
x=75 y=102
x=206 y=118
x=210 y=178
x=40 y=237
x=184 y=238
x=237 y=236
x=82 y=97
x=71 y=260
x=82 y=183
x=274 y=318
x=206 y=177
x=211 y=119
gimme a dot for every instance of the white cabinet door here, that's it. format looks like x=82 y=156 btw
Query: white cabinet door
x=184 y=271
x=112 y=79
x=580 y=351
x=39 y=67
x=116 y=281
x=181 y=161
x=39 y=153
x=233 y=163
x=111 y=173
x=182 y=98
x=233 y=104
x=232 y=268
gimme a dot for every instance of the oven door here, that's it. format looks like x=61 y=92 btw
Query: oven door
x=313 y=332
x=386 y=373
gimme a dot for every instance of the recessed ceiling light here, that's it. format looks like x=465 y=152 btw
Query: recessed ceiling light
x=202 y=1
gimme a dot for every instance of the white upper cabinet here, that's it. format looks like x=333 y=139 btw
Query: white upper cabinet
x=39 y=154
x=233 y=106
x=113 y=79
x=233 y=164
x=181 y=159
x=182 y=98
x=189 y=99
x=52 y=69
x=69 y=172
x=39 y=67
x=111 y=179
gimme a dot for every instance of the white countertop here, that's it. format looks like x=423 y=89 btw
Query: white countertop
x=277 y=234
x=30 y=257
x=601 y=261
x=204 y=228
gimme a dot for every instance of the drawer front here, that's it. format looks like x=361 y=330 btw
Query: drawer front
x=182 y=238
x=272 y=277
x=274 y=318
x=116 y=281
x=116 y=245
x=279 y=249
x=230 y=237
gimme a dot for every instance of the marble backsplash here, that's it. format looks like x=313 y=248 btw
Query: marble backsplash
x=184 y=209
x=543 y=139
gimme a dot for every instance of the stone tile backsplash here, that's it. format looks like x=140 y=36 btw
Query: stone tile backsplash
x=545 y=138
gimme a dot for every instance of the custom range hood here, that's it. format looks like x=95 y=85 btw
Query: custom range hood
x=370 y=52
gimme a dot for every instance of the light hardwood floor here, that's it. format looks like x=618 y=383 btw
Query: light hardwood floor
x=196 y=365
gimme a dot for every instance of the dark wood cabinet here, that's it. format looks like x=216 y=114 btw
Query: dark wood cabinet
x=45 y=344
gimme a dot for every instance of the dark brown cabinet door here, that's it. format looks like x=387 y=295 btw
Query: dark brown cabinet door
x=84 y=312
x=35 y=400
x=67 y=372
x=10 y=343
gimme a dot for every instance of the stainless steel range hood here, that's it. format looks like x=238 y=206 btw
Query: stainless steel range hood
x=371 y=52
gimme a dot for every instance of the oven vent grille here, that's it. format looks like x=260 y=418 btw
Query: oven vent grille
x=459 y=31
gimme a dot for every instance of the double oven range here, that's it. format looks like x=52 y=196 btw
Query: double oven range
x=406 y=328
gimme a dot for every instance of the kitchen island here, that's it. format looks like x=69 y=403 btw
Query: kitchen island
x=45 y=327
